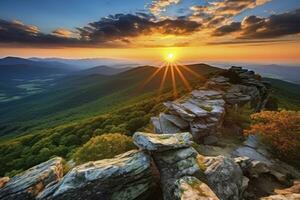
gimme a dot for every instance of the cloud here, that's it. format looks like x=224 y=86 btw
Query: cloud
x=234 y=7
x=253 y=27
x=61 y=32
x=218 y=12
x=115 y=30
x=124 y=26
x=16 y=30
x=226 y=29
x=158 y=6
x=20 y=33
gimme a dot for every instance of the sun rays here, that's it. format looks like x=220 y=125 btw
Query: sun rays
x=173 y=71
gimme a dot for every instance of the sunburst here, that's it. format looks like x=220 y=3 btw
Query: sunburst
x=174 y=69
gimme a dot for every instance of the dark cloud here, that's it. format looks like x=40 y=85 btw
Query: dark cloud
x=114 y=30
x=253 y=27
x=272 y=27
x=17 y=32
x=129 y=25
x=224 y=30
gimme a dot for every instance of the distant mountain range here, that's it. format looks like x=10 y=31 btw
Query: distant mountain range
x=21 y=77
x=289 y=73
x=104 y=70
x=20 y=68
x=91 y=62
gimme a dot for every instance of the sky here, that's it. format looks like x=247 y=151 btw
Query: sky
x=195 y=30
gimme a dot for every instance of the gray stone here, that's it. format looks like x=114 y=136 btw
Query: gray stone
x=225 y=177
x=193 y=108
x=127 y=176
x=251 y=153
x=162 y=142
x=177 y=121
x=173 y=165
x=252 y=141
x=167 y=126
x=156 y=125
x=190 y=188
x=206 y=94
x=177 y=109
x=30 y=183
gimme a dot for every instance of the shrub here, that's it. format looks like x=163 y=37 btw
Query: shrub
x=281 y=130
x=239 y=116
x=104 y=146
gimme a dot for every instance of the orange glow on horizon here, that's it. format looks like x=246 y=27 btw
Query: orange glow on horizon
x=269 y=53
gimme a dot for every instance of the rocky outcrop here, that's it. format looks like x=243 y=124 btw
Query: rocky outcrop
x=181 y=169
x=251 y=86
x=255 y=160
x=225 y=178
x=30 y=183
x=173 y=156
x=127 y=176
x=265 y=173
x=190 y=188
x=202 y=111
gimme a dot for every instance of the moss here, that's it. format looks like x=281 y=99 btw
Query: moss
x=193 y=182
x=207 y=108
x=200 y=161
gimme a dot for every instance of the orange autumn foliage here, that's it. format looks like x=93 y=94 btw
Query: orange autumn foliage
x=279 y=128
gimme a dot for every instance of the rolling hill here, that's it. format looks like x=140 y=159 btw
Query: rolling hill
x=19 y=68
x=80 y=96
x=287 y=94
x=103 y=70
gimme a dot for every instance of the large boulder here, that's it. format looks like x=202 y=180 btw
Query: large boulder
x=162 y=142
x=225 y=178
x=30 y=183
x=256 y=161
x=126 y=176
x=173 y=156
x=173 y=165
x=191 y=188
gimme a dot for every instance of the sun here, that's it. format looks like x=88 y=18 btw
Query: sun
x=170 y=57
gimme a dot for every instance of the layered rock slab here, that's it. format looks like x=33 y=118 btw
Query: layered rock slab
x=201 y=113
x=225 y=177
x=190 y=188
x=127 y=176
x=162 y=142
x=30 y=183
x=173 y=156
